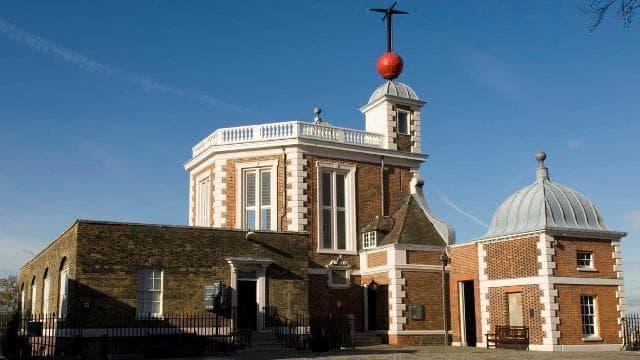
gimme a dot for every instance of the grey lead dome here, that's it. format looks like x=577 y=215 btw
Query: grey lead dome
x=544 y=205
x=393 y=88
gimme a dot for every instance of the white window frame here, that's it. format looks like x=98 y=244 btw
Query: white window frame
x=407 y=124
x=23 y=309
x=154 y=270
x=34 y=294
x=369 y=240
x=351 y=232
x=241 y=170
x=588 y=267
x=46 y=290
x=63 y=293
x=594 y=309
x=203 y=199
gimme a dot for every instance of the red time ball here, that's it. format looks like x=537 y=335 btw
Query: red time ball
x=390 y=65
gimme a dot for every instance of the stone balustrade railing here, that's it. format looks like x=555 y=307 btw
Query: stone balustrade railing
x=288 y=130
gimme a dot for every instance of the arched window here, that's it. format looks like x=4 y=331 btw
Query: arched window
x=64 y=288
x=46 y=285
x=23 y=306
x=34 y=292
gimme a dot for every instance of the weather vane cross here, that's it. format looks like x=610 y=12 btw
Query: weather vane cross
x=388 y=15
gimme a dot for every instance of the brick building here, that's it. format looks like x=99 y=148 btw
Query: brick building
x=312 y=218
x=548 y=262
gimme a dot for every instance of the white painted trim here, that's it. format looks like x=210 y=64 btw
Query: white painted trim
x=403 y=267
x=351 y=230
x=537 y=280
x=219 y=196
x=260 y=265
x=296 y=199
x=336 y=150
x=272 y=165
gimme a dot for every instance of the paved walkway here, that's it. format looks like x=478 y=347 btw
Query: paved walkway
x=433 y=352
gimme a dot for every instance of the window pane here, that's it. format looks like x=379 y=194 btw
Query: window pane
x=326 y=229
x=340 y=190
x=156 y=284
x=265 y=187
x=265 y=219
x=402 y=122
x=326 y=189
x=339 y=277
x=341 y=230
x=250 y=188
x=155 y=308
x=251 y=219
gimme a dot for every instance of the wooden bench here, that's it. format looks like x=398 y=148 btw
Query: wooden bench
x=516 y=337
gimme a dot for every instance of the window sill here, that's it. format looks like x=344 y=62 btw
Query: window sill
x=336 y=286
x=341 y=252
x=592 y=338
x=587 y=269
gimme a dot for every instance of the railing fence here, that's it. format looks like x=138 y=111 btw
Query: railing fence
x=631 y=332
x=172 y=335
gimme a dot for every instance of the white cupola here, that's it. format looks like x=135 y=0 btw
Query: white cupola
x=394 y=111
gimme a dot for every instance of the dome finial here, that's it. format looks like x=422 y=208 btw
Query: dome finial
x=317 y=119
x=542 y=173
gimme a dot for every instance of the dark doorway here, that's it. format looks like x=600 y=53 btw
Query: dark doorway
x=371 y=306
x=247 y=309
x=469 y=312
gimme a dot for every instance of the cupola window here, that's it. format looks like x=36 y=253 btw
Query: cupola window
x=403 y=122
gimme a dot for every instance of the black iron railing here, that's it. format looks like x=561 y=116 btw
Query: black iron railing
x=169 y=335
x=330 y=332
x=631 y=332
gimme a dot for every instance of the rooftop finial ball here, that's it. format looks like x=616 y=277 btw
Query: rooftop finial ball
x=541 y=156
x=390 y=65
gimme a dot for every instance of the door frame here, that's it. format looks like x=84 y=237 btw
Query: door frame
x=259 y=265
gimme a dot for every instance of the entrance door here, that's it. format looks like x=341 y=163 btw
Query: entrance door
x=247 y=310
x=467 y=312
x=371 y=307
x=515 y=309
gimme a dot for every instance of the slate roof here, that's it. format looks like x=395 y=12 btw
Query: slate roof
x=411 y=226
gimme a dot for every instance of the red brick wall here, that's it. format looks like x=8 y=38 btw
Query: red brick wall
x=512 y=258
x=377 y=259
x=566 y=255
x=367 y=198
x=424 y=288
x=499 y=309
x=423 y=257
x=570 y=315
x=464 y=267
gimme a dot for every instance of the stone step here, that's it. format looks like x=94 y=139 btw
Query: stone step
x=367 y=339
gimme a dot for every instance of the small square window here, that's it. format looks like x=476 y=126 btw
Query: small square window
x=585 y=259
x=369 y=240
x=403 y=122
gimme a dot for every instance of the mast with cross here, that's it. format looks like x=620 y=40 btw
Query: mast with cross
x=390 y=64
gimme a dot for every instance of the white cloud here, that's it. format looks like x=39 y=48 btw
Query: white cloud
x=575 y=144
x=457 y=208
x=496 y=75
x=632 y=220
x=84 y=63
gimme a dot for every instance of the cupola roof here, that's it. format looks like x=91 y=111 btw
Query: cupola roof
x=544 y=205
x=393 y=88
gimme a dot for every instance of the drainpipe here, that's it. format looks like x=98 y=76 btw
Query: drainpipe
x=445 y=259
x=381 y=185
x=284 y=189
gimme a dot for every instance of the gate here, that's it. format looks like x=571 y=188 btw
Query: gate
x=631 y=330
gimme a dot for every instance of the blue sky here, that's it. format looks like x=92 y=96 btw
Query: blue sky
x=101 y=102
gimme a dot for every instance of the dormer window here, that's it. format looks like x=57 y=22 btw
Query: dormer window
x=369 y=240
x=403 y=122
